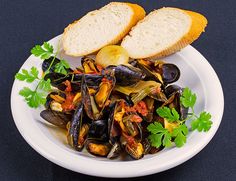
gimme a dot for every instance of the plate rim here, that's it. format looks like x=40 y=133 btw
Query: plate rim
x=134 y=164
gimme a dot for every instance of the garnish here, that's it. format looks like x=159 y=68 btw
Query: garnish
x=61 y=67
x=37 y=97
x=32 y=97
x=44 y=52
x=179 y=135
x=170 y=114
x=28 y=76
x=159 y=135
x=202 y=123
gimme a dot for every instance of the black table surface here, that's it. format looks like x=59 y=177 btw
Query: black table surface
x=26 y=23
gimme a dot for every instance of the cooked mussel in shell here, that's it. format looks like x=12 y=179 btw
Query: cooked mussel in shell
x=77 y=129
x=159 y=71
x=126 y=75
x=174 y=93
x=98 y=148
x=56 y=118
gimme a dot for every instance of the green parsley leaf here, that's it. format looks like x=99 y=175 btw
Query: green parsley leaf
x=45 y=85
x=44 y=51
x=203 y=123
x=61 y=67
x=170 y=114
x=188 y=99
x=180 y=134
x=28 y=76
x=160 y=136
x=33 y=98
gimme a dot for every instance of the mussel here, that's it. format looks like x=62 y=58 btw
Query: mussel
x=98 y=148
x=54 y=100
x=174 y=92
x=134 y=148
x=126 y=75
x=98 y=130
x=95 y=101
x=164 y=73
x=77 y=129
x=89 y=65
x=48 y=62
x=56 y=118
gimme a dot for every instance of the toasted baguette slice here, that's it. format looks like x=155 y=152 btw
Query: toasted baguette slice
x=102 y=27
x=163 y=32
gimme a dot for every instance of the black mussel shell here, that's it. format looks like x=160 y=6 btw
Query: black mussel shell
x=93 y=80
x=126 y=75
x=170 y=73
x=98 y=130
x=56 y=78
x=75 y=128
x=146 y=145
x=176 y=92
x=115 y=151
x=47 y=62
x=172 y=89
x=56 y=118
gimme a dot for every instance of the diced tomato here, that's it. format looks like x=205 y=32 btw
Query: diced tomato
x=68 y=86
x=99 y=67
x=136 y=118
x=141 y=108
x=130 y=140
x=68 y=104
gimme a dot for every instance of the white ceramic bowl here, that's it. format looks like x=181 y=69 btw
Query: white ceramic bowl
x=50 y=142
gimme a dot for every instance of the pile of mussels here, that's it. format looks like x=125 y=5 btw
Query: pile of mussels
x=107 y=110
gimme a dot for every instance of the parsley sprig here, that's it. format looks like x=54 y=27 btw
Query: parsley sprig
x=37 y=96
x=161 y=136
x=44 y=52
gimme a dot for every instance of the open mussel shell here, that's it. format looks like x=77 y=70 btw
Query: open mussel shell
x=113 y=129
x=94 y=104
x=164 y=73
x=56 y=118
x=136 y=151
x=49 y=98
x=146 y=146
x=174 y=92
x=89 y=65
x=98 y=148
x=78 y=129
x=126 y=75
x=88 y=101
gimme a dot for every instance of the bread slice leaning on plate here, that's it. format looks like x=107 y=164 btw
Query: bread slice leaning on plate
x=102 y=27
x=163 y=32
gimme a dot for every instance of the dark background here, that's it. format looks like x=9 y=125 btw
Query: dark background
x=26 y=23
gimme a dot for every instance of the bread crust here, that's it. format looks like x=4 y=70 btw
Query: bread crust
x=138 y=14
x=198 y=25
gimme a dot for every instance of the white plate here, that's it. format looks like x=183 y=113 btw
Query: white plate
x=196 y=73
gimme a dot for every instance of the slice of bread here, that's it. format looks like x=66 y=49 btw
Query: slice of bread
x=99 y=28
x=163 y=32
